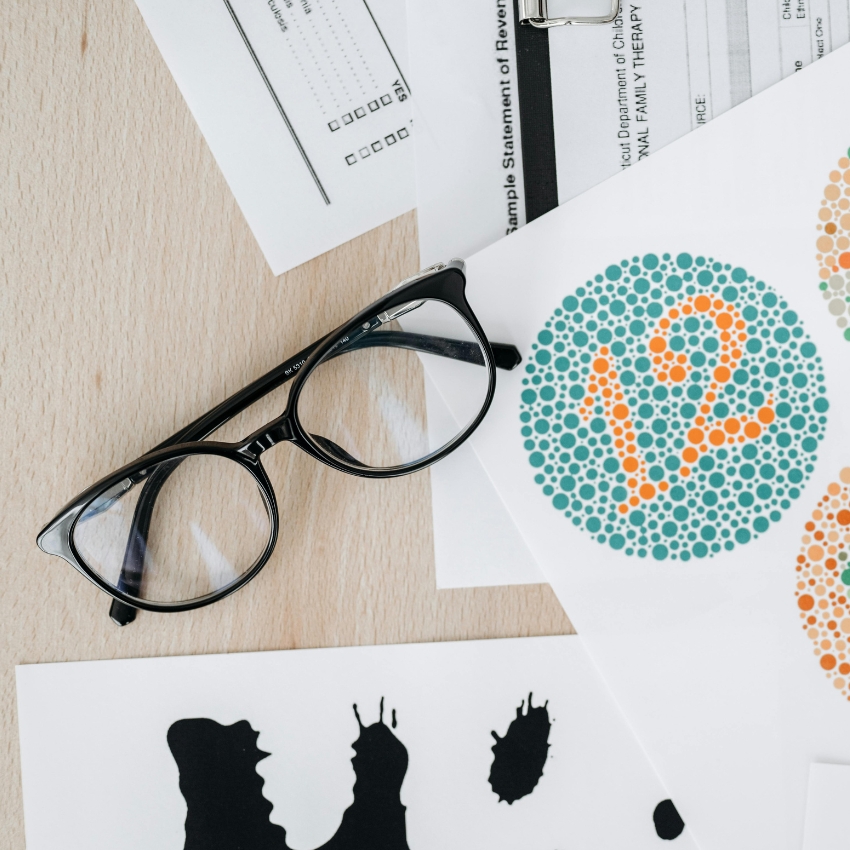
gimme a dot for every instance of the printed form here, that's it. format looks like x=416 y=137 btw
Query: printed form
x=617 y=93
x=306 y=108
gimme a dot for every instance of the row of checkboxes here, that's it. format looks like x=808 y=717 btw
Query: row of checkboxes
x=360 y=112
x=378 y=146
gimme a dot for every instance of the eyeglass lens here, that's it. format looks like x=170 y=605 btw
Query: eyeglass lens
x=365 y=402
x=206 y=527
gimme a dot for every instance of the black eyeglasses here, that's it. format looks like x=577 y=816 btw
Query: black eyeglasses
x=193 y=520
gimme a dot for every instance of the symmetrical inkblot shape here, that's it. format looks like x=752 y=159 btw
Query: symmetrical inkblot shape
x=668 y=821
x=518 y=758
x=226 y=809
x=673 y=407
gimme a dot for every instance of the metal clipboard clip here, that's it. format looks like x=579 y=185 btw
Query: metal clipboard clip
x=536 y=13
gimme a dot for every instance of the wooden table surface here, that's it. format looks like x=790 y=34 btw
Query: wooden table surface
x=133 y=299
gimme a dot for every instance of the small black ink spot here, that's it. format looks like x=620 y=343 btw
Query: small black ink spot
x=668 y=822
x=518 y=758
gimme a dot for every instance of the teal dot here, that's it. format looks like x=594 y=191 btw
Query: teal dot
x=789 y=317
x=562 y=364
x=845 y=576
x=730 y=294
x=529 y=396
x=669 y=529
x=589 y=305
x=739 y=275
x=637 y=327
x=616 y=541
x=742 y=536
x=593 y=525
x=570 y=304
x=809 y=444
x=650 y=262
x=821 y=405
x=580 y=339
x=541 y=426
x=545 y=337
x=576 y=392
x=684 y=261
x=700 y=550
x=619 y=494
x=547 y=393
x=637 y=518
x=597 y=426
x=659 y=552
x=536 y=459
x=613 y=272
x=708 y=532
x=761 y=524
x=611 y=465
x=808 y=349
x=587 y=492
x=705 y=277
x=571 y=421
x=543 y=356
x=560 y=501
x=568 y=483
x=656 y=473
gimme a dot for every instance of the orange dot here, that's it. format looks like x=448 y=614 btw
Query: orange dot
x=724 y=321
x=663 y=486
x=732 y=425
x=657 y=344
x=600 y=365
x=843 y=518
x=630 y=464
x=690 y=455
x=621 y=411
x=647 y=491
x=662 y=376
x=844 y=260
x=722 y=374
x=827 y=662
x=684 y=471
x=677 y=374
x=766 y=415
x=703 y=303
x=806 y=602
x=623 y=508
x=717 y=437
x=844 y=669
x=695 y=435
x=752 y=430
x=634 y=501
x=815 y=553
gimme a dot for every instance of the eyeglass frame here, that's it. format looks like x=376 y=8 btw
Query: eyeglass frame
x=444 y=282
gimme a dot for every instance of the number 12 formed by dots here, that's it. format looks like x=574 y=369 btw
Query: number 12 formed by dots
x=672 y=407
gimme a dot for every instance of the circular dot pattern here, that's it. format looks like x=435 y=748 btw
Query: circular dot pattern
x=672 y=407
x=833 y=245
x=823 y=582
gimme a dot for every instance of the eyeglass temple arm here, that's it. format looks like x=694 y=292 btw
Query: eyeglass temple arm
x=504 y=357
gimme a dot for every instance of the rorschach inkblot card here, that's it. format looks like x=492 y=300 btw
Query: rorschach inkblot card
x=497 y=744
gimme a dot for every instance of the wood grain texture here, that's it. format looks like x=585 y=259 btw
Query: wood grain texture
x=133 y=298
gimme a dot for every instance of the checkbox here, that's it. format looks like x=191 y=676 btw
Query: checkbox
x=347 y=119
x=364 y=152
x=403 y=133
x=360 y=112
x=377 y=146
x=374 y=105
x=386 y=99
x=334 y=125
x=351 y=159
x=391 y=139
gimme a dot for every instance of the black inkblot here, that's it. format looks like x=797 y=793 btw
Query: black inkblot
x=226 y=807
x=518 y=758
x=668 y=821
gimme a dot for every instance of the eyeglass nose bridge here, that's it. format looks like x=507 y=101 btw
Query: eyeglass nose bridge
x=278 y=431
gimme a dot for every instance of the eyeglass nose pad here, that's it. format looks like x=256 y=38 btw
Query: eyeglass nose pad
x=335 y=450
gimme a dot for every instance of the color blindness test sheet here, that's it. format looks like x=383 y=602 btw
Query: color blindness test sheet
x=607 y=97
x=305 y=106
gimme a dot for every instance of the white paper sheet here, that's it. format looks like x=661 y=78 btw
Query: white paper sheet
x=711 y=659
x=100 y=753
x=306 y=108
x=826 y=804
